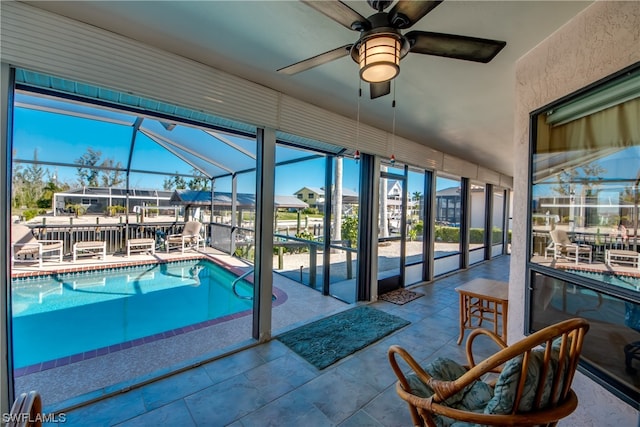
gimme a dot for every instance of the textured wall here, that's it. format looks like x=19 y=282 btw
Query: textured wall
x=602 y=40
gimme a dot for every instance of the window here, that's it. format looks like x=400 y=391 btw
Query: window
x=477 y=222
x=448 y=212
x=584 y=248
x=311 y=195
x=53 y=166
x=498 y=216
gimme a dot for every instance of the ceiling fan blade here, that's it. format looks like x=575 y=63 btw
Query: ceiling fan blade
x=454 y=46
x=314 y=61
x=407 y=12
x=379 y=89
x=338 y=11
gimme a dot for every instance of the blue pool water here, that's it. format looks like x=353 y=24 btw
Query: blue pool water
x=67 y=314
x=627 y=282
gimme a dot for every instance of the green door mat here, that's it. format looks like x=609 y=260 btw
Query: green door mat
x=328 y=340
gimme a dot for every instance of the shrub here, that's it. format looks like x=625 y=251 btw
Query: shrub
x=77 y=209
x=114 y=210
x=447 y=234
x=277 y=248
x=245 y=252
x=496 y=235
x=350 y=230
x=44 y=203
x=415 y=230
x=304 y=234
x=413 y=234
x=476 y=235
x=29 y=214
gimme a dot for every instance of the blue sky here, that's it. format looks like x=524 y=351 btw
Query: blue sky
x=618 y=170
x=59 y=138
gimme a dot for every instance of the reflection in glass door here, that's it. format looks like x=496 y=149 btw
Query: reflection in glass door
x=415 y=242
x=343 y=252
x=497 y=232
x=391 y=228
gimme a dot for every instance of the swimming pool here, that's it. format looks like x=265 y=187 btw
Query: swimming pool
x=71 y=314
x=623 y=281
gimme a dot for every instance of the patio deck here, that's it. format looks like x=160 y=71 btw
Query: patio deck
x=268 y=384
x=86 y=377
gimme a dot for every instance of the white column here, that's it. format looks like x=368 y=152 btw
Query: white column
x=263 y=275
x=5 y=128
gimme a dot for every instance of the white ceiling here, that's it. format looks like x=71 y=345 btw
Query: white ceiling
x=458 y=107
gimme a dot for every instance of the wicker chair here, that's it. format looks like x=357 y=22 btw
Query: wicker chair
x=26 y=411
x=532 y=387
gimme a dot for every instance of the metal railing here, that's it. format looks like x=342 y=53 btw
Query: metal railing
x=234 y=285
x=115 y=235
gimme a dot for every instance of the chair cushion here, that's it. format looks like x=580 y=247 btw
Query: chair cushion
x=507 y=384
x=473 y=397
x=442 y=369
x=27 y=249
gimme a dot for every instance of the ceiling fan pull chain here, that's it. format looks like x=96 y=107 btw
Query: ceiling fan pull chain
x=356 y=155
x=393 y=125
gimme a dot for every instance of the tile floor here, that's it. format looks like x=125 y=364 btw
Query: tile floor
x=269 y=385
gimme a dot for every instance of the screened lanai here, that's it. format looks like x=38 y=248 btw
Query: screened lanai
x=268 y=202
x=106 y=138
x=117 y=168
x=121 y=146
x=100 y=149
x=111 y=139
x=132 y=139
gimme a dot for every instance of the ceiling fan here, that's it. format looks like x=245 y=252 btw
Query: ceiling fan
x=382 y=45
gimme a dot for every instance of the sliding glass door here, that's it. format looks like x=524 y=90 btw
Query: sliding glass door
x=392 y=220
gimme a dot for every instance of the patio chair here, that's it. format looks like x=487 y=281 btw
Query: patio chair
x=26 y=248
x=533 y=385
x=190 y=237
x=562 y=247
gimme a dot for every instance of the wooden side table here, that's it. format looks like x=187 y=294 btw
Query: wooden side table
x=483 y=299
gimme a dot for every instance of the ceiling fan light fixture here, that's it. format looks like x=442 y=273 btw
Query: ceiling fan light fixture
x=379 y=58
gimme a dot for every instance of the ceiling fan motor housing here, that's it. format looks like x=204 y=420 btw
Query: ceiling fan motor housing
x=379 y=5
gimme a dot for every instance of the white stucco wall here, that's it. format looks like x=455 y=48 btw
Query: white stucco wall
x=602 y=40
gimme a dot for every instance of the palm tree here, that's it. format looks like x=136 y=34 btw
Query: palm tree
x=416 y=197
